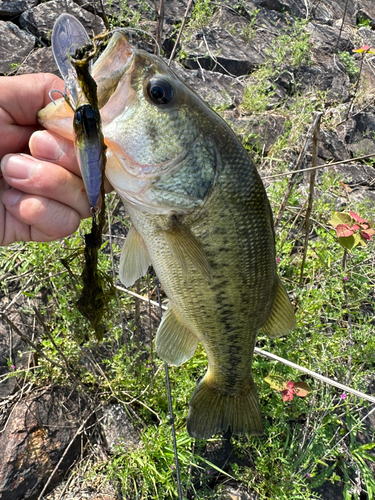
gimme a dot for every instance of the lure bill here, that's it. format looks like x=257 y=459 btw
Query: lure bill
x=68 y=39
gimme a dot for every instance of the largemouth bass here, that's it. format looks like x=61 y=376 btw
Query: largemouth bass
x=200 y=215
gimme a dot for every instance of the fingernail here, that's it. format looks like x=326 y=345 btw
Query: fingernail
x=17 y=166
x=44 y=145
x=11 y=197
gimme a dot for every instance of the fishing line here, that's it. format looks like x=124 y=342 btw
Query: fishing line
x=179 y=487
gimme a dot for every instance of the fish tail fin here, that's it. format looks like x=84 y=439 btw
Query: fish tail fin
x=212 y=410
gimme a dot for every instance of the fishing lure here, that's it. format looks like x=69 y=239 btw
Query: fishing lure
x=69 y=39
x=73 y=52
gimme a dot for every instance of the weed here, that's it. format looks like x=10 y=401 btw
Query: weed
x=350 y=65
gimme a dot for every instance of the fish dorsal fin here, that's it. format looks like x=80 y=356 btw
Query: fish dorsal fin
x=174 y=343
x=184 y=245
x=134 y=260
x=281 y=320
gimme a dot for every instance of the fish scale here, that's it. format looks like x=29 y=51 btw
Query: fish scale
x=201 y=217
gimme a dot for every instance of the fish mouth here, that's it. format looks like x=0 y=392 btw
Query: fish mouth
x=147 y=171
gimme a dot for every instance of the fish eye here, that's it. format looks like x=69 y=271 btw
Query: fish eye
x=160 y=90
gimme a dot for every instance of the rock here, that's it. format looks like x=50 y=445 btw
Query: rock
x=34 y=440
x=117 y=427
x=230 y=492
x=217 y=89
x=40 y=19
x=329 y=12
x=15 y=46
x=324 y=39
x=230 y=45
x=217 y=50
x=358 y=133
x=120 y=10
x=260 y=132
x=329 y=78
x=361 y=179
x=296 y=7
x=330 y=147
x=366 y=10
x=13 y=8
x=39 y=61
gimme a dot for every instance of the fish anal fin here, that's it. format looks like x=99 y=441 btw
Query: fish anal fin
x=174 y=343
x=282 y=319
x=185 y=246
x=212 y=411
x=135 y=259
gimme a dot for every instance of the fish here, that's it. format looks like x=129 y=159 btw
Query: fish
x=200 y=215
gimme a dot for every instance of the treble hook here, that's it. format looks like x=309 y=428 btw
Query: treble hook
x=64 y=95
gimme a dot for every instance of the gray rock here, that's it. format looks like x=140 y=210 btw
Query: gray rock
x=366 y=10
x=15 y=45
x=40 y=19
x=117 y=427
x=260 y=132
x=324 y=39
x=358 y=133
x=330 y=147
x=329 y=78
x=13 y=8
x=296 y=7
x=120 y=10
x=33 y=442
x=39 y=61
x=217 y=89
x=329 y=12
x=361 y=179
x=367 y=36
x=216 y=49
x=238 y=492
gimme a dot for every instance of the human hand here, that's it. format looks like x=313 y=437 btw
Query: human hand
x=42 y=197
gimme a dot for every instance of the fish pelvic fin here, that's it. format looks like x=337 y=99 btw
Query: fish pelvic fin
x=135 y=259
x=282 y=319
x=212 y=410
x=174 y=343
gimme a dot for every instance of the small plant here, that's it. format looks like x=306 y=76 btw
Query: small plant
x=351 y=230
x=349 y=63
x=287 y=387
x=363 y=23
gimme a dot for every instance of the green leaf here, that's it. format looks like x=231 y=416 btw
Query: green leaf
x=359 y=240
x=348 y=242
x=276 y=382
x=340 y=218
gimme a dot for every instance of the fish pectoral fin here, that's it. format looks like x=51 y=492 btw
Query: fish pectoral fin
x=135 y=259
x=184 y=245
x=212 y=410
x=282 y=319
x=174 y=343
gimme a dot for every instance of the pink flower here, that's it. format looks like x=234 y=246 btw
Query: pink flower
x=288 y=393
x=343 y=396
x=346 y=278
x=13 y=367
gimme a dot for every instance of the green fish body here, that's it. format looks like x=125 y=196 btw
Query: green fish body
x=200 y=215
